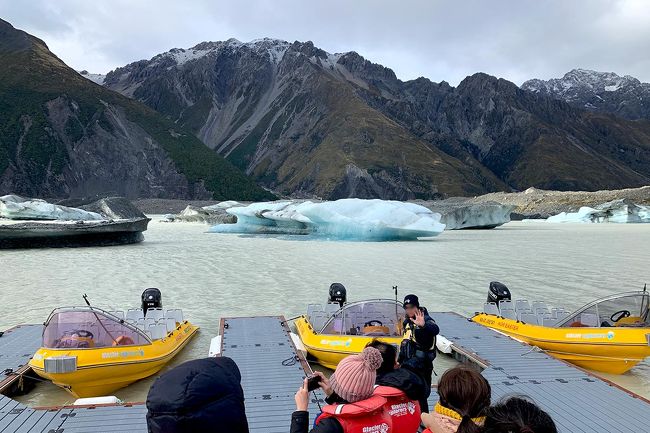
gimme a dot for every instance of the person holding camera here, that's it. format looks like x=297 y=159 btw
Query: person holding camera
x=357 y=409
x=418 y=348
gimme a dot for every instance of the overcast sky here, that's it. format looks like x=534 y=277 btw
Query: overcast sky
x=441 y=40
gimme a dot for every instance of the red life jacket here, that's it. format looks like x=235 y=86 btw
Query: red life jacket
x=365 y=416
x=404 y=412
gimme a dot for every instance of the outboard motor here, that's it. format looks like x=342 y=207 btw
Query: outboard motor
x=498 y=292
x=338 y=294
x=151 y=298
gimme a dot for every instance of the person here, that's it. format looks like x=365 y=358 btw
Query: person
x=418 y=348
x=402 y=388
x=464 y=400
x=518 y=415
x=357 y=409
x=198 y=396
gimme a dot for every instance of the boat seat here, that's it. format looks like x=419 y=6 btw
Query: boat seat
x=589 y=320
x=549 y=322
x=542 y=310
x=541 y=317
x=538 y=304
x=176 y=314
x=490 y=308
x=118 y=314
x=330 y=309
x=318 y=320
x=561 y=315
x=509 y=313
x=522 y=304
x=134 y=314
x=155 y=313
x=530 y=318
x=506 y=304
x=313 y=307
x=522 y=312
x=170 y=323
x=158 y=331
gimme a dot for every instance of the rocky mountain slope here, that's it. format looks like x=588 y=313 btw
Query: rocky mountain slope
x=605 y=92
x=62 y=135
x=307 y=122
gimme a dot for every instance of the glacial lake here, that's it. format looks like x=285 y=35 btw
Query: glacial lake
x=214 y=275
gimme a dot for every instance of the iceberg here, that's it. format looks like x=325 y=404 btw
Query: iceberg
x=18 y=208
x=345 y=219
x=460 y=213
x=617 y=211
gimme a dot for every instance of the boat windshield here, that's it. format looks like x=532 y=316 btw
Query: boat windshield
x=623 y=310
x=87 y=328
x=381 y=318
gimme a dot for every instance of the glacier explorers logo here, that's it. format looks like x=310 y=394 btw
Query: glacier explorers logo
x=379 y=428
x=411 y=407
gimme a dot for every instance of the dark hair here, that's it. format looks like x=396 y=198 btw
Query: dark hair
x=466 y=392
x=388 y=355
x=518 y=415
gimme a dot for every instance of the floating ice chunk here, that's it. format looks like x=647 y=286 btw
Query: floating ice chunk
x=223 y=205
x=617 y=211
x=15 y=207
x=347 y=219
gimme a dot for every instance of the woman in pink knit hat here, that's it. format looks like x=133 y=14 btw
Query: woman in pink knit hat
x=358 y=410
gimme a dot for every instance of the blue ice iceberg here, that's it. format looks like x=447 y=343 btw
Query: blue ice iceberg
x=617 y=211
x=346 y=219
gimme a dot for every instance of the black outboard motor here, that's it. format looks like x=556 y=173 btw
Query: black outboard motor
x=151 y=298
x=498 y=292
x=338 y=294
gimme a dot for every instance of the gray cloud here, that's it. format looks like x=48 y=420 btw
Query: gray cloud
x=441 y=40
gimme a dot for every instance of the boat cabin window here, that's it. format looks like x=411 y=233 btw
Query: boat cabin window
x=620 y=311
x=378 y=318
x=88 y=329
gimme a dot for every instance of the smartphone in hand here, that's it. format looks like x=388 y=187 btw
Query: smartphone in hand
x=313 y=382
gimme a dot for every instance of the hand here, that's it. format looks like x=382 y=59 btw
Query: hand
x=419 y=318
x=432 y=424
x=302 y=397
x=324 y=384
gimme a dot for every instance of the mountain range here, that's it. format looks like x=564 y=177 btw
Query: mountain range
x=303 y=122
x=62 y=135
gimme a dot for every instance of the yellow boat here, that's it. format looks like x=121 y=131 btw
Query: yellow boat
x=609 y=335
x=332 y=332
x=91 y=352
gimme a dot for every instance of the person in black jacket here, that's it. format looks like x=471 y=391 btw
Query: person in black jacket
x=202 y=395
x=418 y=348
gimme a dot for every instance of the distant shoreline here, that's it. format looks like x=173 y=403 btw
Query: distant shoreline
x=532 y=203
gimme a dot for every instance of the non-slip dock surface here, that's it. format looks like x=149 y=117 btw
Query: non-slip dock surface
x=18 y=418
x=577 y=401
x=17 y=346
x=270 y=367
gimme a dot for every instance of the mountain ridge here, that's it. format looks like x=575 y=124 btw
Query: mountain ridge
x=62 y=135
x=496 y=136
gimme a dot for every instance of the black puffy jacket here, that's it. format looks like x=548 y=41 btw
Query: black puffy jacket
x=203 y=395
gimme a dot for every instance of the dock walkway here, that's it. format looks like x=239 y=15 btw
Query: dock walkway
x=578 y=401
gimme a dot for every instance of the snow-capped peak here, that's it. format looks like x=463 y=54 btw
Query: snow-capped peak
x=96 y=78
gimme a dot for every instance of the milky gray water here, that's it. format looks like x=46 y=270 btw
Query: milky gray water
x=213 y=275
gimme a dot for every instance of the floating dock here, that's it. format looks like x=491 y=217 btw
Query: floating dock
x=578 y=401
x=272 y=370
x=17 y=345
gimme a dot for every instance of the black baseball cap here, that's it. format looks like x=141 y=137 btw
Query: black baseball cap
x=411 y=300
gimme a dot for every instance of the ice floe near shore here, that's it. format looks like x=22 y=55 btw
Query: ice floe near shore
x=616 y=211
x=17 y=208
x=346 y=219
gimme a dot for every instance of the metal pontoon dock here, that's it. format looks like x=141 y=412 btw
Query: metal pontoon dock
x=272 y=370
x=578 y=401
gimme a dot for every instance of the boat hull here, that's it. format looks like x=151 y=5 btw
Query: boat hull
x=102 y=371
x=329 y=350
x=613 y=350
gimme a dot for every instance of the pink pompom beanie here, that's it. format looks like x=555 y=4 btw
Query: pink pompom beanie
x=354 y=378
